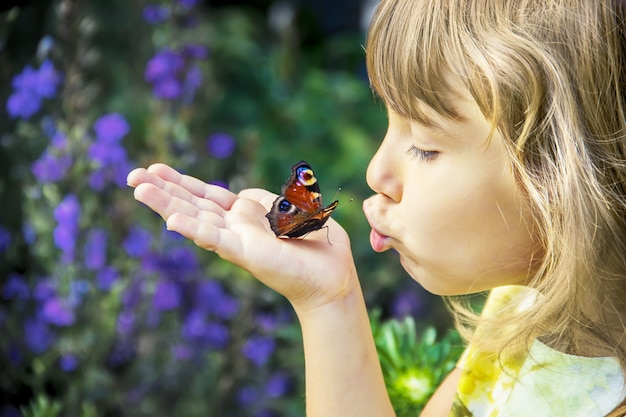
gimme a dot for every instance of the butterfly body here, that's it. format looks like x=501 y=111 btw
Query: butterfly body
x=299 y=209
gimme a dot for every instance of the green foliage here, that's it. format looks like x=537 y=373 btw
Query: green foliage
x=42 y=407
x=413 y=365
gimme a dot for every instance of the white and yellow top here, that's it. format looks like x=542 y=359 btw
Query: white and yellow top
x=541 y=382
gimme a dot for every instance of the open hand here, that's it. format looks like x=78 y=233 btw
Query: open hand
x=309 y=271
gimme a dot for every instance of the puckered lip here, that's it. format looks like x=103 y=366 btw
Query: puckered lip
x=379 y=241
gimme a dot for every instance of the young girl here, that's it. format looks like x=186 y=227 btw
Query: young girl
x=503 y=168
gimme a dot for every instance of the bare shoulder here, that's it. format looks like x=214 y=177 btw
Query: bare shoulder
x=441 y=402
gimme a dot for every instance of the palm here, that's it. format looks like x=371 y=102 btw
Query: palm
x=315 y=269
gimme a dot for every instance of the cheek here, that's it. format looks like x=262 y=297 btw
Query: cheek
x=469 y=230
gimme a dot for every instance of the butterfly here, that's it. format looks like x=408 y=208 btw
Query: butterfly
x=299 y=209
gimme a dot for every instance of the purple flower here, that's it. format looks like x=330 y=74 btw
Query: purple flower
x=196 y=328
x=59 y=140
x=107 y=277
x=68 y=362
x=188 y=3
x=137 y=243
x=111 y=127
x=133 y=294
x=196 y=51
x=30 y=86
x=278 y=385
x=23 y=104
x=26 y=80
x=95 y=249
x=221 y=145
x=106 y=153
x=67 y=215
x=15 y=288
x=48 y=80
x=37 y=336
x=247 y=396
x=56 y=312
x=44 y=290
x=259 y=349
x=165 y=64
x=155 y=13
x=166 y=296
x=68 y=210
x=50 y=168
x=5 y=239
x=65 y=239
x=193 y=80
x=125 y=322
x=167 y=89
x=78 y=289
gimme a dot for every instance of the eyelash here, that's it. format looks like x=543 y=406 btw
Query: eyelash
x=421 y=154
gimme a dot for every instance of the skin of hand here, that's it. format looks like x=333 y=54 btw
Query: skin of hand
x=309 y=272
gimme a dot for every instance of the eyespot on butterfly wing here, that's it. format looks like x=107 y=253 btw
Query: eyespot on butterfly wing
x=299 y=209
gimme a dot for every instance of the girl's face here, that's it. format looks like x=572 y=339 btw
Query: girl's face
x=447 y=201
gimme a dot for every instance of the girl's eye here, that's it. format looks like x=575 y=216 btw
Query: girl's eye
x=422 y=154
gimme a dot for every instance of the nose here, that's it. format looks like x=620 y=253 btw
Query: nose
x=384 y=172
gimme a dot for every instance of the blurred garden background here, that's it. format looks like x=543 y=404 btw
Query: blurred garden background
x=105 y=313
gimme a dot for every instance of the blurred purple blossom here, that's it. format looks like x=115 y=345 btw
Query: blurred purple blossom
x=106 y=277
x=108 y=153
x=137 y=242
x=211 y=297
x=15 y=288
x=155 y=13
x=197 y=328
x=193 y=81
x=67 y=215
x=247 y=396
x=5 y=239
x=56 y=311
x=177 y=262
x=259 y=349
x=37 y=336
x=278 y=385
x=78 y=289
x=133 y=294
x=195 y=50
x=30 y=87
x=68 y=362
x=125 y=322
x=43 y=290
x=95 y=249
x=167 y=89
x=23 y=104
x=111 y=127
x=188 y=3
x=68 y=210
x=166 y=296
x=221 y=145
x=51 y=168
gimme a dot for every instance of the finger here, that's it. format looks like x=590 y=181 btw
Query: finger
x=198 y=188
x=165 y=204
x=141 y=176
x=208 y=236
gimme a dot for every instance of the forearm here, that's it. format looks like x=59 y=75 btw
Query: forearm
x=343 y=374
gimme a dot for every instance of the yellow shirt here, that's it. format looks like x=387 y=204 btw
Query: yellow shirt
x=542 y=382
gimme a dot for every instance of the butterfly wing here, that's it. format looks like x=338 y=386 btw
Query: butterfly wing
x=299 y=210
x=288 y=220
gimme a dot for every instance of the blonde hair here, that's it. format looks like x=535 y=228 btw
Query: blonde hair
x=550 y=75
